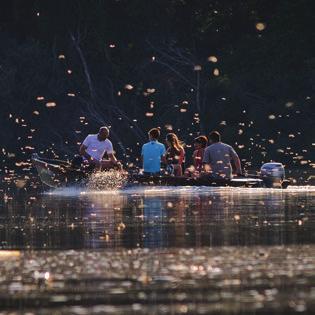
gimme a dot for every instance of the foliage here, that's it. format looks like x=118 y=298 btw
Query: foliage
x=138 y=64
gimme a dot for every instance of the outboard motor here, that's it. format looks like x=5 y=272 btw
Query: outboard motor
x=272 y=174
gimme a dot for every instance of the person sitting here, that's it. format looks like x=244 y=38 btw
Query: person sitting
x=175 y=155
x=200 y=144
x=218 y=156
x=152 y=153
x=95 y=146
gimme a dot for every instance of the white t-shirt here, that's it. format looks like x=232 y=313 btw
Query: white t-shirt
x=95 y=148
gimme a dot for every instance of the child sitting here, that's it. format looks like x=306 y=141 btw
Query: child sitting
x=200 y=143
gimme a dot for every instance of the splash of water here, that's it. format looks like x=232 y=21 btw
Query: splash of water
x=109 y=180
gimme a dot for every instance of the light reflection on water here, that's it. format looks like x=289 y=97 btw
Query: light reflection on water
x=159 y=250
x=224 y=280
x=160 y=217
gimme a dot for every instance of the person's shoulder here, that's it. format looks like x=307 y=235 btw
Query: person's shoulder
x=146 y=146
x=221 y=144
x=108 y=141
x=91 y=136
x=227 y=145
x=161 y=144
x=163 y=148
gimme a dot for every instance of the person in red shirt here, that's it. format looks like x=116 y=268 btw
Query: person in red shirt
x=200 y=143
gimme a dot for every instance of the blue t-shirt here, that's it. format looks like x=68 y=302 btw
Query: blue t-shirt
x=152 y=152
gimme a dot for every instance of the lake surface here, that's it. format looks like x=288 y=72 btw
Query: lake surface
x=158 y=250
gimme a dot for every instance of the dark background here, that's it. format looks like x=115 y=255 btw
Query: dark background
x=109 y=62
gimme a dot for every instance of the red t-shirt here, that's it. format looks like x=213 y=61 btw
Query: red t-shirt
x=198 y=157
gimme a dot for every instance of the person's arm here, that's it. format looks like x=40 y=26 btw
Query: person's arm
x=206 y=168
x=88 y=157
x=236 y=160
x=83 y=148
x=206 y=162
x=112 y=157
x=181 y=157
x=194 y=157
x=110 y=152
x=163 y=155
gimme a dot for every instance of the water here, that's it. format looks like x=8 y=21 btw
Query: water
x=159 y=250
x=159 y=217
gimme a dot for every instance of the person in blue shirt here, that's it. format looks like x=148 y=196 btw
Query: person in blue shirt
x=153 y=152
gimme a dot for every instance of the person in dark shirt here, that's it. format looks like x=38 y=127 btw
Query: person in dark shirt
x=218 y=156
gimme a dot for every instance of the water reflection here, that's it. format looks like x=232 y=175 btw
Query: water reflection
x=219 y=280
x=155 y=218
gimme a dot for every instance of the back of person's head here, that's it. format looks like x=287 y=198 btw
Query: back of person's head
x=154 y=133
x=202 y=140
x=170 y=137
x=173 y=141
x=214 y=136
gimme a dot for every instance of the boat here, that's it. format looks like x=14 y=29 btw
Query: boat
x=59 y=173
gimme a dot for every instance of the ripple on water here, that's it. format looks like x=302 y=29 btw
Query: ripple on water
x=166 y=251
x=268 y=279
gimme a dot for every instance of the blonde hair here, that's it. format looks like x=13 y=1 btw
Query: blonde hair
x=174 y=141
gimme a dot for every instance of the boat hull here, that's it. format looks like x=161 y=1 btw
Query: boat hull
x=195 y=181
x=54 y=173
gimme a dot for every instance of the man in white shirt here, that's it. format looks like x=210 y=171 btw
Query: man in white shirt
x=95 y=146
